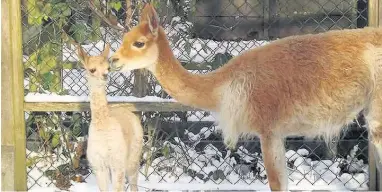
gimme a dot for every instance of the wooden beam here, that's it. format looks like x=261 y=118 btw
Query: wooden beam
x=188 y=66
x=13 y=126
x=379 y=13
x=18 y=95
x=84 y=106
x=374 y=13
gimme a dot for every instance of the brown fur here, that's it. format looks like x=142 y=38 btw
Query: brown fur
x=115 y=134
x=309 y=85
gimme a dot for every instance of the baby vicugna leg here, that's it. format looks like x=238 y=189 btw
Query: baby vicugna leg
x=132 y=167
x=118 y=176
x=132 y=175
x=102 y=175
x=273 y=151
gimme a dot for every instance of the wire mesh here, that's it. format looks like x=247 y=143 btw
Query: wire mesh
x=180 y=147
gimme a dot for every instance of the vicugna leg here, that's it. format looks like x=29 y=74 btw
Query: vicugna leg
x=273 y=151
x=133 y=163
x=102 y=175
x=132 y=169
x=132 y=174
x=374 y=120
x=118 y=175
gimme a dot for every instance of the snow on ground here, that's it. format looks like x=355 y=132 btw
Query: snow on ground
x=172 y=183
x=183 y=184
x=169 y=173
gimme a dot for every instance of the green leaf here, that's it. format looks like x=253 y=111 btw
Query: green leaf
x=33 y=83
x=43 y=134
x=55 y=140
x=77 y=129
x=49 y=63
x=47 y=80
x=39 y=59
x=47 y=9
x=166 y=151
x=56 y=85
x=155 y=4
x=76 y=117
x=32 y=161
x=67 y=12
x=63 y=92
x=35 y=16
x=116 y=5
x=55 y=118
x=80 y=32
x=96 y=29
x=61 y=10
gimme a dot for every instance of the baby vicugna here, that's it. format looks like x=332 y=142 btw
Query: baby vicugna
x=309 y=85
x=115 y=134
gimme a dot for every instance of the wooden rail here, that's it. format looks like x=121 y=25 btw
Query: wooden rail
x=84 y=106
x=189 y=66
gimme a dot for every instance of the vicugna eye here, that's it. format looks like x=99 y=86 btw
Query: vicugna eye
x=92 y=70
x=139 y=44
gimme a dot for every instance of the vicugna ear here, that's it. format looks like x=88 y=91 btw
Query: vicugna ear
x=150 y=16
x=144 y=13
x=106 y=51
x=82 y=55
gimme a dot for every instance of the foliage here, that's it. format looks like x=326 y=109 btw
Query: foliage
x=57 y=22
x=60 y=144
x=115 y=4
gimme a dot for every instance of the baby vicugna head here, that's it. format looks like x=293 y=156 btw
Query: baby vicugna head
x=95 y=66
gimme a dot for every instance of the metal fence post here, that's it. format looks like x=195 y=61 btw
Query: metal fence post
x=12 y=126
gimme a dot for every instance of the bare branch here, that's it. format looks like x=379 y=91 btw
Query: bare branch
x=129 y=13
x=110 y=23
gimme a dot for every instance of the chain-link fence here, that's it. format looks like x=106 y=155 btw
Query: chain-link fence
x=181 y=147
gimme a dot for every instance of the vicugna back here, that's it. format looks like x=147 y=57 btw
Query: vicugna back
x=115 y=134
x=309 y=85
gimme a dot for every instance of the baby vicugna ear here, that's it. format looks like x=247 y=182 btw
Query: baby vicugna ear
x=115 y=134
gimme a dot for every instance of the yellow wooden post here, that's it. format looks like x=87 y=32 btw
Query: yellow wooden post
x=12 y=99
x=375 y=15
x=375 y=170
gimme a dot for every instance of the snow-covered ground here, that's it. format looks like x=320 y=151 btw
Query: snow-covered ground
x=307 y=177
x=183 y=167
